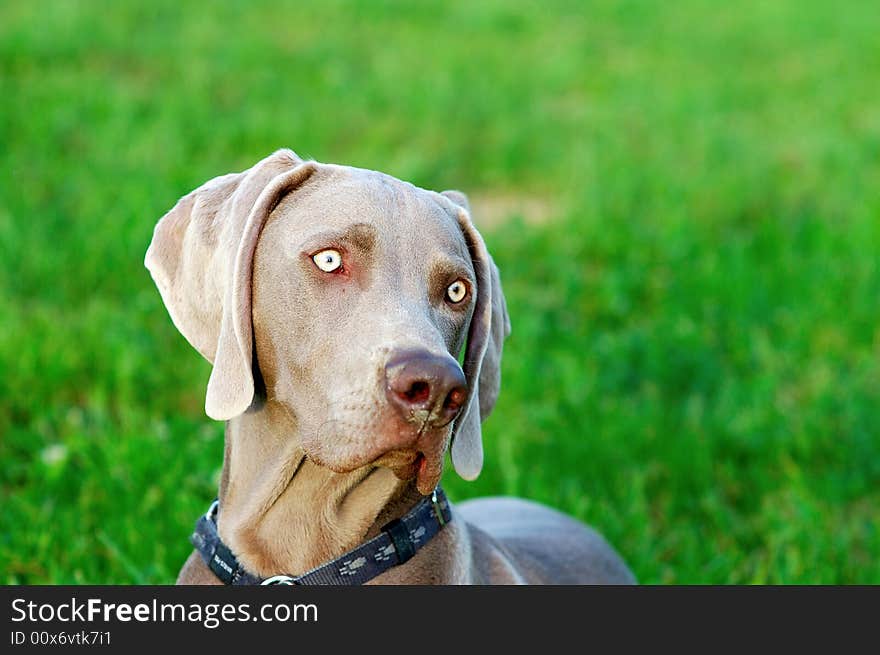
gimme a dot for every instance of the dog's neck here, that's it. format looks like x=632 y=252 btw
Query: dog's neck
x=282 y=513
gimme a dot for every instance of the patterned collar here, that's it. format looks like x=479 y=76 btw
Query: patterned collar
x=397 y=542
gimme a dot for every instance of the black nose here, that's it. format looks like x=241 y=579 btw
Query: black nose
x=419 y=381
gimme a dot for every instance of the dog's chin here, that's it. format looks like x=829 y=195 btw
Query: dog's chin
x=408 y=452
x=404 y=464
x=413 y=464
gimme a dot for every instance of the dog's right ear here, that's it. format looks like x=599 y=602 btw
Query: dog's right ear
x=201 y=258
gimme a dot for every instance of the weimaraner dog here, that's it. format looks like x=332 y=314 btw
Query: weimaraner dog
x=333 y=303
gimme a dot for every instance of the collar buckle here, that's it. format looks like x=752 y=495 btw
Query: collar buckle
x=285 y=580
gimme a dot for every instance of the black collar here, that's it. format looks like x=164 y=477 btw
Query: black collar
x=396 y=543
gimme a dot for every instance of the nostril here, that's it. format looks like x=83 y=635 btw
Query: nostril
x=454 y=400
x=418 y=392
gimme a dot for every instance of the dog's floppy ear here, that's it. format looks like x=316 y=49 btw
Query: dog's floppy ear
x=201 y=258
x=489 y=326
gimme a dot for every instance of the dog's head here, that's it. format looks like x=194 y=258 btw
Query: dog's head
x=347 y=296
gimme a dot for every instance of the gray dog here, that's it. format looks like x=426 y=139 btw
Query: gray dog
x=333 y=302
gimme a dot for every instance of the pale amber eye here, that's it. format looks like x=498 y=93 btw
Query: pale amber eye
x=328 y=260
x=456 y=291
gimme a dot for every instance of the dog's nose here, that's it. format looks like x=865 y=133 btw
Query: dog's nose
x=424 y=386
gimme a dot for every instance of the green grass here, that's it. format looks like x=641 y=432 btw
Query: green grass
x=695 y=362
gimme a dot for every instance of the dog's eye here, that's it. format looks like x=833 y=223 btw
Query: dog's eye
x=328 y=260
x=456 y=291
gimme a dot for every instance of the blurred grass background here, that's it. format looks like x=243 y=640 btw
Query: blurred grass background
x=683 y=199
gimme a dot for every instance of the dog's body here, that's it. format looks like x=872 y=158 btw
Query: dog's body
x=333 y=303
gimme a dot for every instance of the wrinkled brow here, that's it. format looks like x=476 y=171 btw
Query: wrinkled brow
x=449 y=268
x=361 y=237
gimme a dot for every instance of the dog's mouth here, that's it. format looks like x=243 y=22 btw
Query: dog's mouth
x=408 y=452
x=407 y=464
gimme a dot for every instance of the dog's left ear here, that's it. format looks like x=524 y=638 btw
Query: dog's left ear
x=489 y=326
